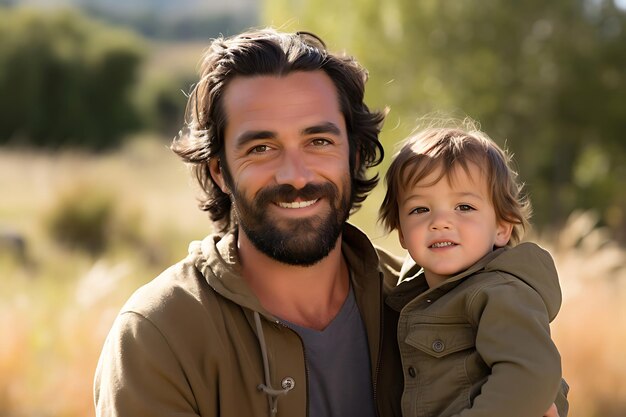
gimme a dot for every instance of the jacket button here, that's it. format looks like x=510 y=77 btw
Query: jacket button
x=288 y=383
x=438 y=346
x=412 y=372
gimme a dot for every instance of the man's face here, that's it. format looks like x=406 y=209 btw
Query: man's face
x=286 y=164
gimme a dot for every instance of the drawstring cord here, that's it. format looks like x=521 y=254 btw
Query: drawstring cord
x=272 y=393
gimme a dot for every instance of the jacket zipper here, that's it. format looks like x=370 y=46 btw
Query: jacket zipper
x=380 y=343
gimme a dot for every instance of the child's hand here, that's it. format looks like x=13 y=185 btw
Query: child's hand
x=552 y=411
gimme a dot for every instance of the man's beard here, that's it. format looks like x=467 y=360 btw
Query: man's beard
x=294 y=241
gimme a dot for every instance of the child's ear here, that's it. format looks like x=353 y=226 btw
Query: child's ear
x=215 y=169
x=503 y=234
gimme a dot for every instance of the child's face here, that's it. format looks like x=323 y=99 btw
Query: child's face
x=448 y=226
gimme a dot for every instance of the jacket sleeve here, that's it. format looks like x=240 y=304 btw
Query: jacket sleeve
x=139 y=375
x=513 y=339
x=562 y=404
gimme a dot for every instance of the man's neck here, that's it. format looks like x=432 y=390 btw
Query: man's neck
x=309 y=296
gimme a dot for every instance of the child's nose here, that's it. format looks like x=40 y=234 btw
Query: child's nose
x=440 y=221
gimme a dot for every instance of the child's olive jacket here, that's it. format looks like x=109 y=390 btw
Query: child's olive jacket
x=479 y=344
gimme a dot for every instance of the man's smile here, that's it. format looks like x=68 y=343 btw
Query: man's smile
x=297 y=204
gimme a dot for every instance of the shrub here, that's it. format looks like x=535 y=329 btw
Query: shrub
x=83 y=218
x=65 y=79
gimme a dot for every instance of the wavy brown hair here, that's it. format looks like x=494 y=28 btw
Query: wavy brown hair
x=445 y=149
x=270 y=52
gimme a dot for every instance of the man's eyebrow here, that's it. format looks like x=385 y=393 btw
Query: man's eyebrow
x=251 y=135
x=328 y=127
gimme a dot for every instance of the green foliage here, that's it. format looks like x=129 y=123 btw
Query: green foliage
x=546 y=79
x=162 y=103
x=82 y=218
x=90 y=218
x=154 y=24
x=66 y=80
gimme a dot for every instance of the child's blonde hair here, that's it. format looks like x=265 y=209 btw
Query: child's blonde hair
x=446 y=149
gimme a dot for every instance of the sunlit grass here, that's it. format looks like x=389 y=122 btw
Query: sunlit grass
x=590 y=328
x=57 y=306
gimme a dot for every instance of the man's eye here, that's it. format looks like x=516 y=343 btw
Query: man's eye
x=419 y=210
x=465 y=207
x=320 y=142
x=259 y=149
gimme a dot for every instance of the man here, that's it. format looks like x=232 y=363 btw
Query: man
x=280 y=312
x=280 y=139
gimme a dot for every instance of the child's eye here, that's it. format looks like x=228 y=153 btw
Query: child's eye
x=464 y=207
x=419 y=210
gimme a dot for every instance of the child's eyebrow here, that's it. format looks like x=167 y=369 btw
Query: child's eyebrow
x=412 y=196
x=462 y=194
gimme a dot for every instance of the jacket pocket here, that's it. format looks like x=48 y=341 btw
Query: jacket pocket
x=439 y=340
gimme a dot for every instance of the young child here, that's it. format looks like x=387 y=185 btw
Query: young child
x=473 y=329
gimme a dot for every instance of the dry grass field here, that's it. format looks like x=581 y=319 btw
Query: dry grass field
x=58 y=301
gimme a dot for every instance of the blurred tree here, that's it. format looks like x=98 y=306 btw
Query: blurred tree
x=546 y=79
x=65 y=80
x=157 y=24
x=162 y=101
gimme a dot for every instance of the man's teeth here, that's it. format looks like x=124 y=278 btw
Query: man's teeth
x=297 y=204
x=441 y=244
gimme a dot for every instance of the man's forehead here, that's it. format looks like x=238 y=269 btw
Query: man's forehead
x=295 y=102
x=294 y=85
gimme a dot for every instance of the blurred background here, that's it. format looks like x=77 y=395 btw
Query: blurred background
x=93 y=203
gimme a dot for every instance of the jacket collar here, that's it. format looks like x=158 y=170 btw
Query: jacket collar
x=216 y=257
x=527 y=262
x=415 y=285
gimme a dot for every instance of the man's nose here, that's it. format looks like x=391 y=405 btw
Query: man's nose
x=294 y=169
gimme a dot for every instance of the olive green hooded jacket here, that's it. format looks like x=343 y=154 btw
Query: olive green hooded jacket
x=197 y=342
x=479 y=344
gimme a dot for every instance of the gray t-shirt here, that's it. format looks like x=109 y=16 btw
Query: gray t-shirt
x=338 y=364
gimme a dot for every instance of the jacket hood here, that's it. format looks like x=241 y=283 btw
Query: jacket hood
x=216 y=257
x=527 y=261
x=532 y=265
